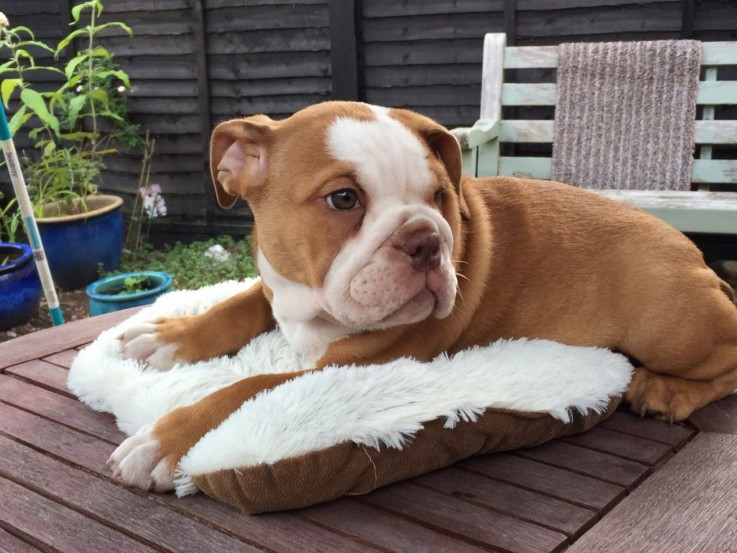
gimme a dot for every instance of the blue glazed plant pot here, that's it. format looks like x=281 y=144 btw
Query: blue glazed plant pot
x=76 y=245
x=20 y=287
x=105 y=295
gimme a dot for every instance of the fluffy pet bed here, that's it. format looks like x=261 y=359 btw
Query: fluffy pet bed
x=349 y=430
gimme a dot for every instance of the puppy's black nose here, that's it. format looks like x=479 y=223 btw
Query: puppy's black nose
x=423 y=246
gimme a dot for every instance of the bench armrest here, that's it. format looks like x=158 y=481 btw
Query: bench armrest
x=461 y=134
x=484 y=130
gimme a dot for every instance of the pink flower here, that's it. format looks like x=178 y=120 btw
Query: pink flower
x=153 y=201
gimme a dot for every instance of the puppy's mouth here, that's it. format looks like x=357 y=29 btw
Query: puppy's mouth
x=391 y=293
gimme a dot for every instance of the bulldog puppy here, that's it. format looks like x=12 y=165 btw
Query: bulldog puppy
x=372 y=245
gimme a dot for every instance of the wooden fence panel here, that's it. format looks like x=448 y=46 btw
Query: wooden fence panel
x=161 y=60
x=426 y=56
x=194 y=63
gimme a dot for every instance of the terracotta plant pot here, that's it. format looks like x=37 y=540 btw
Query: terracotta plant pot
x=77 y=244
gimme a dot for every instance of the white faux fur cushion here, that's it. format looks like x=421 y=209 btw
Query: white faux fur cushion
x=369 y=405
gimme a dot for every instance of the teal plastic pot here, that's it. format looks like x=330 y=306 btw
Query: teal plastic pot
x=76 y=245
x=105 y=296
x=20 y=287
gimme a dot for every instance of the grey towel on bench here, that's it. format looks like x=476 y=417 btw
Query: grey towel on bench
x=625 y=114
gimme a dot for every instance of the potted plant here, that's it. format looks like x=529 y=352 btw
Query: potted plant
x=20 y=287
x=73 y=129
x=127 y=290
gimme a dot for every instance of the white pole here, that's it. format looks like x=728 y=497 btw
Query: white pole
x=24 y=203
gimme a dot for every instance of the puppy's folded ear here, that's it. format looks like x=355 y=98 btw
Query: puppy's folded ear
x=448 y=150
x=443 y=144
x=239 y=151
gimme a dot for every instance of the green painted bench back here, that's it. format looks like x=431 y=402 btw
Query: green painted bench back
x=699 y=212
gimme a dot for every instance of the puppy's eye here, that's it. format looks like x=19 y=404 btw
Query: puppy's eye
x=438 y=198
x=343 y=199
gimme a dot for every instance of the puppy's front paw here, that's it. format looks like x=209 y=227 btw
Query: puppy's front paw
x=139 y=462
x=144 y=342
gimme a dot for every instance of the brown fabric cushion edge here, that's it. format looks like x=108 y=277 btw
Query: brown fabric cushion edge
x=351 y=469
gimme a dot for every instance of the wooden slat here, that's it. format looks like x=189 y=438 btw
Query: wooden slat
x=63 y=358
x=715 y=132
x=710 y=212
x=629 y=423
x=388 y=531
x=53 y=340
x=704 y=171
x=545 y=94
x=391 y=8
x=127 y=511
x=56 y=527
x=615 y=443
x=492 y=76
x=534 y=507
x=529 y=167
x=714 y=170
x=81 y=449
x=10 y=544
x=529 y=94
x=277 y=532
x=540 y=477
x=541 y=131
x=719 y=53
x=530 y=57
x=457 y=518
x=608 y=468
x=716 y=93
x=720 y=416
x=675 y=199
x=688 y=505
x=711 y=221
x=57 y=407
x=532 y=131
x=40 y=373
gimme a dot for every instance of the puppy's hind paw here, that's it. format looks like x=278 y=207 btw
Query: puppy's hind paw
x=661 y=397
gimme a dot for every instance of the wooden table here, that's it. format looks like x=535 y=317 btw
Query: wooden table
x=629 y=485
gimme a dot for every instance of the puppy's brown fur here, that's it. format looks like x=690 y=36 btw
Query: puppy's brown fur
x=535 y=259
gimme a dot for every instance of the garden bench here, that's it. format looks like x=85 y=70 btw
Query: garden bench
x=710 y=206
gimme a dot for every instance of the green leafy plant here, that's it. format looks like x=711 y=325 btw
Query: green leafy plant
x=135 y=283
x=77 y=125
x=10 y=222
x=130 y=285
x=189 y=266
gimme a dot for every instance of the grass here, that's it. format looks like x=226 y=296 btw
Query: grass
x=188 y=265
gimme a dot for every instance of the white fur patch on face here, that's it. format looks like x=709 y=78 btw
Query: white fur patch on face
x=388 y=158
x=371 y=283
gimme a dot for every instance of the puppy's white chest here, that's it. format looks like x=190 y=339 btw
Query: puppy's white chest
x=299 y=312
